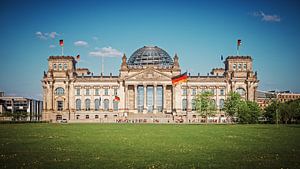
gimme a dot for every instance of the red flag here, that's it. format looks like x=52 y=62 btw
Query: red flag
x=117 y=98
x=239 y=42
x=61 y=43
x=180 y=78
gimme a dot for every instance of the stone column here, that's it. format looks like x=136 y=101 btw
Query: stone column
x=164 y=98
x=154 y=99
x=145 y=98
x=135 y=97
x=188 y=99
x=126 y=99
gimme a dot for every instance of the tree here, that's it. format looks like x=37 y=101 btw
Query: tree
x=231 y=105
x=205 y=105
x=270 y=111
x=245 y=111
x=254 y=112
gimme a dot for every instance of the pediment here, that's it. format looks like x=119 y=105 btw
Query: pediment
x=149 y=74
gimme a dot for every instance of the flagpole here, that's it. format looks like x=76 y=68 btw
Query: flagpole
x=62 y=51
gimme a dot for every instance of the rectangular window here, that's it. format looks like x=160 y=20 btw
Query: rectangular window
x=105 y=91
x=140 y=98
x=159 y=98
x=116 y=92
x=222 y=92
x=87 y=92
x=184 y=92
x=183 y=104
x=240 y=66
x=65 y=66
x=194 y=92
x=87 y=116
x=60 y=105
x=234 y=66
x=96 y=116
x=97 y=92
x=77 y=92
x=212 y=91
x=245 y=66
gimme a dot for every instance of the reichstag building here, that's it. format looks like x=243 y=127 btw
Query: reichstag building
x=143 y=90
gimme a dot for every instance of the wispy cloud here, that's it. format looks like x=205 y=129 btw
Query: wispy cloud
x=95 y=38
x=81 y=43
x=106 y=52
x=52 y=46
x=267 y=17
x=46 y=35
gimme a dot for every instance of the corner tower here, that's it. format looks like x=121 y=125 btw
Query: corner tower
x=239 y=75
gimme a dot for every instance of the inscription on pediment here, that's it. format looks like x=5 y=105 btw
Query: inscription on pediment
x=149 y=76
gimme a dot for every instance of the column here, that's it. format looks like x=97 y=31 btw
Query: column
x=135 y=97
x=126 y=99
x=145 y=97
x=164 y=98
x=188 y=99
x=154 y=99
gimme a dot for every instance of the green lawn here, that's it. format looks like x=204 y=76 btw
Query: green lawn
x=149 y=146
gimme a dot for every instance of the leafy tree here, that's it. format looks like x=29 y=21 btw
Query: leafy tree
x=270 y=112
x=205 y=105
x=254 y=111
x=232 y=103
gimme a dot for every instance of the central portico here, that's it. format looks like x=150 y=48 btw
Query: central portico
x=147 y=80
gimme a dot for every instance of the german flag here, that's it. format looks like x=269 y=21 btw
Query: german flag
x=117 y=99
x=180 y=78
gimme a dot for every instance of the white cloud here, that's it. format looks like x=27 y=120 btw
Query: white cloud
x=52 y=46
x=106 y=52
x=81 y=43
x=52 y=35
x=46 y=35
x=267 y=17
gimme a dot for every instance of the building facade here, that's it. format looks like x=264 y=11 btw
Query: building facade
x=14 y=104
x=265 y=98
x=143 y=90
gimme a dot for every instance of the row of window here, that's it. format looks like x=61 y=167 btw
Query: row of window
x=97 y=104
x=60 y=66
x=184 y=104
x=88 y=92
x=213 y=91
x=60 y=91
x=88 y=116
x=239 y=66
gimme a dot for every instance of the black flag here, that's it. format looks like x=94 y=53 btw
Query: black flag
x=222 y=57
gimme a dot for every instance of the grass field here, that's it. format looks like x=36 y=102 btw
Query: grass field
x=149 y=146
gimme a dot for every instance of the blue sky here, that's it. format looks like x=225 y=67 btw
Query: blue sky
x=198 y=31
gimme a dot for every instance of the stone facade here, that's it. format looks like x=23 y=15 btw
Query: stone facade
x=144 y=88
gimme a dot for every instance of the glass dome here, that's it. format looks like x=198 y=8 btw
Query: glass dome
x=149 y=55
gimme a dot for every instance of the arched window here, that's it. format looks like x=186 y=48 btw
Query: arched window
x=116 y=105
x=60 y=66
x=241 y=91
x=193 y=104
x=221 y=105
x=54 y=66
x=184 y=105
x=87 y=104
x=65 y=66
x=106 y=104
x=78 y=104
x=59 y=91
x=97 y=104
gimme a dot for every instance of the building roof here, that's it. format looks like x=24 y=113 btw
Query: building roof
x=149 y=55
